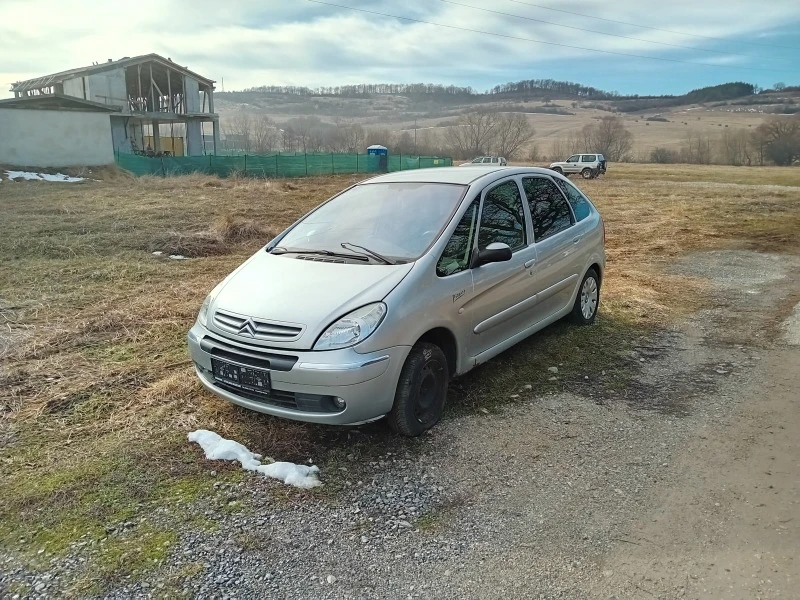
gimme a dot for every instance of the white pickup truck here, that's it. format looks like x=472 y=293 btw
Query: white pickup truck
x=588 y=165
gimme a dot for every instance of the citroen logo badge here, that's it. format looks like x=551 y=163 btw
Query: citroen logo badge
x=248 y=328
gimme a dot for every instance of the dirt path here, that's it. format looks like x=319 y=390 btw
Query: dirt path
x=726 y=524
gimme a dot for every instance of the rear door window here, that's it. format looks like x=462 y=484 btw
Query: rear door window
x=588 y=158
x=550 y=212
x=580 y=205
x=502 y=217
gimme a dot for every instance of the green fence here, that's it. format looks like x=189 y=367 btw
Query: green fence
x=275 y=165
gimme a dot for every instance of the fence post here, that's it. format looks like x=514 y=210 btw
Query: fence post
x=401 y=161
x=245 y=165
x=305 y=154
x=333 y=171
x=276 y=166
x=163 y=174
x=357 y=171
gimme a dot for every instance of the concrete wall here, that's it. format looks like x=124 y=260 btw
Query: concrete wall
x=193 y=104
x=107 y=87
x=74 y=87
x=120 y=135
x=54 y=138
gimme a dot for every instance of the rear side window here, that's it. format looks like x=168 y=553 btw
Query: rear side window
x=502 y=218
x=588 y=158
x=549 y=210
x=580 y=205
x=457 y=253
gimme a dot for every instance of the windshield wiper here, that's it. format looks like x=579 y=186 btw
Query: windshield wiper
x=372 y=253
x=284 y=250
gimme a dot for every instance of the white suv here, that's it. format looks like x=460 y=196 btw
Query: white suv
x=588 y=165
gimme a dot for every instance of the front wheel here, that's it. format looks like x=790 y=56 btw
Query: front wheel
x=585 y=308
x=558 y=170
x=421 y=391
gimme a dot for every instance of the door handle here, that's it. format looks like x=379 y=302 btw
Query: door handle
x=576 y=240
x=529 y=263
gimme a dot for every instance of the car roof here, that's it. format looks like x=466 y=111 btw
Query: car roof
x=456 y=175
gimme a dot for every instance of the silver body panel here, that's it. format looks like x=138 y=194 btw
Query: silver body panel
x=486 y=309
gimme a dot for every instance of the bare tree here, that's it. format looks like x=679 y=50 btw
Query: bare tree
x=782 y=137
x=696 y=149
x=347 y=137
x=238 y=130
x=511 y=132
x=265 y=135
x=608 y=137
x=472 y=134
x=734 y=147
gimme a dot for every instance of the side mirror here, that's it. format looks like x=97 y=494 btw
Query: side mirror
x=494 y=252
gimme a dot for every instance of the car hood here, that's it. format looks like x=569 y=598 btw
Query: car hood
x=282 y=291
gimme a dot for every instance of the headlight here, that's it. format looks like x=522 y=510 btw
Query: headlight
x=353 y=328
x=203 y=314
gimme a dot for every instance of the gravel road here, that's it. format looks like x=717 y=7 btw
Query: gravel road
x=685 y=485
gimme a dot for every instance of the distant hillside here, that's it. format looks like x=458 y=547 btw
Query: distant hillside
x=375 y=103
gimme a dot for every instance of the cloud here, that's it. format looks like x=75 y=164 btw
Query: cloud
x=251 y=42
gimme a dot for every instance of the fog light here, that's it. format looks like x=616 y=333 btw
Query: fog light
x=339 y=402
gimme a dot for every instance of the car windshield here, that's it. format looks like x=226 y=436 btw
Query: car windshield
x=397 y=220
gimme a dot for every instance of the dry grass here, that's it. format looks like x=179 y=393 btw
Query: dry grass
x=96 y=390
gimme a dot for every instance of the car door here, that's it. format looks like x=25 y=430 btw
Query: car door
x=572 y=165
x=498 y=305
x=556 y=270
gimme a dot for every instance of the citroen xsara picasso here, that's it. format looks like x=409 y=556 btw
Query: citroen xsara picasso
x=370 y=303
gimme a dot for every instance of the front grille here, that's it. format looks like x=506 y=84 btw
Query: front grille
x=256 y=328
x=251 y=355
x=326 y=259
x=290 y=400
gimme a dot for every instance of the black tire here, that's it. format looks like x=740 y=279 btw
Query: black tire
x=586 y=173
x=577 y=315
x=421 y=391
x=558 y=170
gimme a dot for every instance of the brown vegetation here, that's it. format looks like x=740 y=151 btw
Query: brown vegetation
x=96 y=390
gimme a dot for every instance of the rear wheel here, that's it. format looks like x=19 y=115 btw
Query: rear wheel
x=586 y=173
x=421 y=391
x=585 y=308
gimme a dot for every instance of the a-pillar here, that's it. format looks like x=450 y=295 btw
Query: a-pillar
x=156 y=137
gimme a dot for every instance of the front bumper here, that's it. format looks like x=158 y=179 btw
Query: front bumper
x=365 y=382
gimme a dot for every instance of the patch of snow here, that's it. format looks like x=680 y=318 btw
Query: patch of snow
x=177 y=257
x=29 y=176
x=218 y=448
x=157 y=253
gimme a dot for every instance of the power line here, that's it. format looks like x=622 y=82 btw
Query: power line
x=524 y=39
x=617 y=35
x=697 y=35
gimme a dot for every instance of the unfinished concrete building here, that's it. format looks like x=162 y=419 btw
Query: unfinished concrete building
x=158 y=106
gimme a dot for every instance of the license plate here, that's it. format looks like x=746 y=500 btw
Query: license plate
x=240 y=376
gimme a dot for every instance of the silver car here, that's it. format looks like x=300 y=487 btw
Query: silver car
x=369 y=304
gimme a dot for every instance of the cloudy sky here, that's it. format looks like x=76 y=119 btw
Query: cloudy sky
x=662 y=47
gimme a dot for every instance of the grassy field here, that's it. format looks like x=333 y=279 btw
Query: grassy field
x=97 y=393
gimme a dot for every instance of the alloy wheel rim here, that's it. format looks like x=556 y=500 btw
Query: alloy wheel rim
x=589 y=298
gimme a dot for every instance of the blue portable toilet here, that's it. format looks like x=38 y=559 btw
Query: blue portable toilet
x=382 y=152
